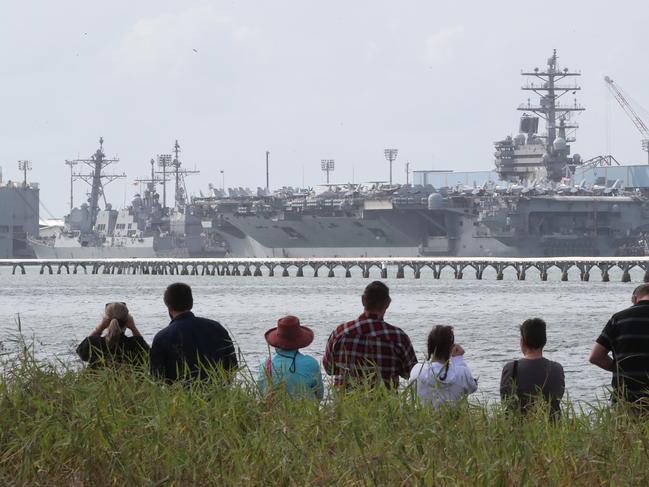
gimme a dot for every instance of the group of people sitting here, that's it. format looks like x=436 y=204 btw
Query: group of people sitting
x=369 y=351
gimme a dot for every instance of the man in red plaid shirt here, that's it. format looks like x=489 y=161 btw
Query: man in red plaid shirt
x=368 y=346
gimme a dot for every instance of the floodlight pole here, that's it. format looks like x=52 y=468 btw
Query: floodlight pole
x=327 y=165
x=391 y=155
x=267 y=174
x=407 y=173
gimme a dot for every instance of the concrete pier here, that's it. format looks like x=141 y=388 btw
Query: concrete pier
x=400 y=268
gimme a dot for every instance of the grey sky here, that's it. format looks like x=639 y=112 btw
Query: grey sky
x=305 y=79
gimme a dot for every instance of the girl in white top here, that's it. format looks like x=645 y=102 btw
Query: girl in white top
x=444 y=377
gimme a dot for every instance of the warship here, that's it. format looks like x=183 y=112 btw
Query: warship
x=535 y=205
x=19 y=216
x=146 y=228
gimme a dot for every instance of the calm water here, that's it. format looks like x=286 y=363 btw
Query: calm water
x=59 y=311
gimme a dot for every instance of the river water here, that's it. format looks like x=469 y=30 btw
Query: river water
x=58 y=311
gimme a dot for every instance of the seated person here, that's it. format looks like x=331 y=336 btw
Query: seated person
x=532 y=377
x=190 y=347
x=444 y=377
x=300 y=374
x=114 y=347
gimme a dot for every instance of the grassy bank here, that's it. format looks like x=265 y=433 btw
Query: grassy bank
x=64 y=427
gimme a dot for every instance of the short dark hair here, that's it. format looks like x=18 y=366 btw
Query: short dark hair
x=178 y=296
x=376 y=295
x=641 y=290
x=533 y=333
x=440 y=342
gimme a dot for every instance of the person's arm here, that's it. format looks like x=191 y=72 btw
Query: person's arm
x=560 y=388
x=328 y=360
x=409 y=359
x=130 y=324
x=506 y=381
x=230 y=363
x=158 y=358
x=319 y=387
x=599 y=356
x=262 y=382
x=470 y=384
x=99 y=329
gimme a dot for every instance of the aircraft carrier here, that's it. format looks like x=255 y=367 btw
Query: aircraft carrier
x=535 y=204
x=541 y=200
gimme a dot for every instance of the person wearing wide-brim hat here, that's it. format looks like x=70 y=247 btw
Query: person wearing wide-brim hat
x=299 y=373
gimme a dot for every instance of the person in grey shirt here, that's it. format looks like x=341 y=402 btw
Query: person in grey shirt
x=533 y=377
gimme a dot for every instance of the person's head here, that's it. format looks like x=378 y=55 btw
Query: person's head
x=641 y=293
x=440 y=343
x=376 y=297
x=178 y=298
x=117 y=313
x=533 y=336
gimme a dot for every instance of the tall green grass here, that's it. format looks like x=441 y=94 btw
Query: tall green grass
x=60 y=426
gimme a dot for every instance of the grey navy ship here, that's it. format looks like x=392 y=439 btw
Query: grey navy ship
x=145 y=229
x=541 y=200
x=538 y=202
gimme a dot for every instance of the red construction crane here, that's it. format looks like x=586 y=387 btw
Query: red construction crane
x=631 y=113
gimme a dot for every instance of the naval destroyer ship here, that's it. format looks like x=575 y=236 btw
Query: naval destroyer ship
x=146 y=228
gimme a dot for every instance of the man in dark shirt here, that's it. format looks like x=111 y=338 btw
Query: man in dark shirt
x=532 y=377
x=626 y=337
x=190 y=347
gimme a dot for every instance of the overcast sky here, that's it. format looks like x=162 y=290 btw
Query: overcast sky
x=304 y=79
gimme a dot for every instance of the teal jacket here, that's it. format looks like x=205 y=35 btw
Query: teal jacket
x=299 y=373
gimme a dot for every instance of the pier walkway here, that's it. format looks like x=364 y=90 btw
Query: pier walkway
x=387 y=267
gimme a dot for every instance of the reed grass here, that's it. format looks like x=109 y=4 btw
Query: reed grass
x=61 y=426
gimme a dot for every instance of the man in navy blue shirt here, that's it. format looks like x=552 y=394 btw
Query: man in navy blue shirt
x=190 y=347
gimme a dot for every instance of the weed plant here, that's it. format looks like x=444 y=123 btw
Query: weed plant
x=66 y=427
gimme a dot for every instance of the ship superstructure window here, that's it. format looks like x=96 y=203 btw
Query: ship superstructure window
x=4 y=228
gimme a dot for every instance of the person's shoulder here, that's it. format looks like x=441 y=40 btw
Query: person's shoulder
x=310 y=361
x=394 y=331
x=637 y=310
x=556 y=366
x=164 y=333
x=416 y=370
x=508 y=365
x=345 y=327
x=207 y=322
x=92 y=341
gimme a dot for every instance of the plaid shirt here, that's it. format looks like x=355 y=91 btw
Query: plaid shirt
x=368 y=345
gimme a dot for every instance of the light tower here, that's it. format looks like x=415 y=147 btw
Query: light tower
x=24 y=166
x=71 y=164
x=327 y=165
x=267 y=174
x=391 y=155
x=164 y=161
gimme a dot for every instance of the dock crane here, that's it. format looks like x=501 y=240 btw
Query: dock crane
x=618 y=94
